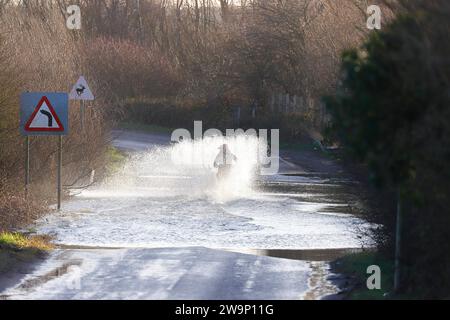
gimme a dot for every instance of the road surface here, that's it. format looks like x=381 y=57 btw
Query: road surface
x=164 y=231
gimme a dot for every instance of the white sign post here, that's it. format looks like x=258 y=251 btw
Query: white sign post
x=81 y=92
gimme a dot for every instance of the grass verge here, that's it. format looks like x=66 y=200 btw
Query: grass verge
x=16 y=248
x=354 y=266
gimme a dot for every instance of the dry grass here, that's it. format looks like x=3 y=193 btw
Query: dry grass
x=15 y=210
x=9 y=240
x=38 y=53
x=132 y=70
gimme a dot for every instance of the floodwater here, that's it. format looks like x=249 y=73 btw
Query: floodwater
x=163 y=227
x=168 y=196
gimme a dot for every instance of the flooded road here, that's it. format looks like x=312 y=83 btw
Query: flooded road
x=181 y=234
x=153 y=202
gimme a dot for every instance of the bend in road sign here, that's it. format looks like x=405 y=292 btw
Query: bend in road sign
x=44 y=118
x=44 y=113
x=81 y=90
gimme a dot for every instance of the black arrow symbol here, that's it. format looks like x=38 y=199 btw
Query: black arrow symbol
x=49 y=116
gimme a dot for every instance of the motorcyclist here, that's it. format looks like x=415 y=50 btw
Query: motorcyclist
x=224 y=161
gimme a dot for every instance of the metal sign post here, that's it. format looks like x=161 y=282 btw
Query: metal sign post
x=82 y=114
x=27 y=165
x=60 y=144
x=81 y=92
x=398 y=237
x=44 y=114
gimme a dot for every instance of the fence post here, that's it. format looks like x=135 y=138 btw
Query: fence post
x=286 y=103
x=280 y=102
x=272 y=101
x=302 y=105
x=238 y=116
x=323 y=114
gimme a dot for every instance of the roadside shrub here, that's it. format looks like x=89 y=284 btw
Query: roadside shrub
x=39 y=53
x=392 y=113
x=217 y=115
x=130 y=69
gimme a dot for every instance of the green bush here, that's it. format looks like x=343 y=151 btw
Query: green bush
x=392 y=112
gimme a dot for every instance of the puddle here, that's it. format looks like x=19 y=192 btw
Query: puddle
x=52 y=274
x=323 y=255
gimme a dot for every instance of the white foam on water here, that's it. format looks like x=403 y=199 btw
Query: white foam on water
x=169 y=196
x=185 y=169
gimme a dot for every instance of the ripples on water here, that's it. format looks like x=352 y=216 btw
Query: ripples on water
x=169 y=196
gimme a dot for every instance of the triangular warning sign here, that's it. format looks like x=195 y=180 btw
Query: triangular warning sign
x=81 y=91
x=44 y=118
